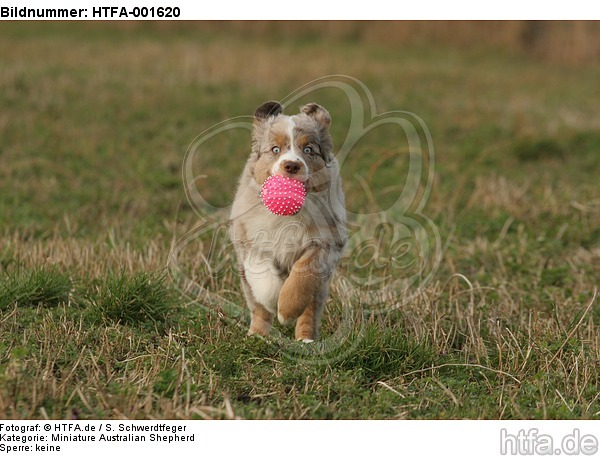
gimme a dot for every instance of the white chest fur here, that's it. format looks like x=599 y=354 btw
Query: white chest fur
x=272 y=245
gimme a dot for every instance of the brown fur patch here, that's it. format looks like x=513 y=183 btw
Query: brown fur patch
x=299 y=289
x=307 y=326
x=262 y=168
x=278 y=135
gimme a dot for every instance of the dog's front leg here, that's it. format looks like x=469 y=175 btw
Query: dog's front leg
x=303 y=294
x=307 y=325
x=261 y=320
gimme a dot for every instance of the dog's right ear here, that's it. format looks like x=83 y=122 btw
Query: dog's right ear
x=260 y=127
x=270 y=108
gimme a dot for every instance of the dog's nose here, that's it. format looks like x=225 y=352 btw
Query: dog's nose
x=291 y=167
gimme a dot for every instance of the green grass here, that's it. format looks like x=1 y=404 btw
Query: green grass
x=35 y=287
x=136 y=300
x=93 y=131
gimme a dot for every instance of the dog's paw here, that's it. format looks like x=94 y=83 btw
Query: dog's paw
x=285 y=320
x=306 y=341
x=260 y=332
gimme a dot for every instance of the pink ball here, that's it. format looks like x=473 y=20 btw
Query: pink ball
x=282 y=195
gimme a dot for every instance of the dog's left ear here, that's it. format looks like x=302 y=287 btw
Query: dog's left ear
x=317 y=112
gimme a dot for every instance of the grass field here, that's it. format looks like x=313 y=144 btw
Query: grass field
x=95 y=121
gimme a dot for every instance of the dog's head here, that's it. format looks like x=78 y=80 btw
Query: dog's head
x=298 y=146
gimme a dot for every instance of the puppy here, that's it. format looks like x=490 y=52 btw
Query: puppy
x=286 y=262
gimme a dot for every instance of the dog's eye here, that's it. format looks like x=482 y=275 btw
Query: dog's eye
x=276 y=149
x=308 y=150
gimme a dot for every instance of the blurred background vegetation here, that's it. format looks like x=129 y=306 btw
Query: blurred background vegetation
x=558 y=41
